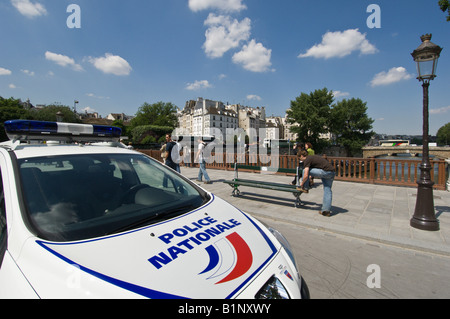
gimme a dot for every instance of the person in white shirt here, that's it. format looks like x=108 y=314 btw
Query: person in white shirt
x=200 y=157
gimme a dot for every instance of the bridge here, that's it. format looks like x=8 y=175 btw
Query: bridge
x=442 y=152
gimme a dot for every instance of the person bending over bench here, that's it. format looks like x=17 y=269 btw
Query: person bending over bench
x=317 y=166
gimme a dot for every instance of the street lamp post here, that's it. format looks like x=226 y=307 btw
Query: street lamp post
x=426 y=57
x=59 y=116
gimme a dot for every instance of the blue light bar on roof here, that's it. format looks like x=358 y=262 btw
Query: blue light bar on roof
x=37 y=130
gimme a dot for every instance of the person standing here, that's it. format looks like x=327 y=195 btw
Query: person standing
x=171 y=150
x=200 y=157
x=298 y=147
x=317 y=166
x=309 y=149
x=187 y=156
x=176 y=157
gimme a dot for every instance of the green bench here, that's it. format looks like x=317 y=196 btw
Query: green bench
x=237 y=182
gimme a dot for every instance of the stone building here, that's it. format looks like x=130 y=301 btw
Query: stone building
x=205 y=117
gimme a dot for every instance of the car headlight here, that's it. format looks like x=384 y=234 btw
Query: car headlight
x=284 y=242
x=272 y=289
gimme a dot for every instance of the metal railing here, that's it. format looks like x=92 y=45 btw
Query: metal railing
x=399 y=172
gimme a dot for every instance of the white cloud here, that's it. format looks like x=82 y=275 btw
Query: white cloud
x=28 y=72
x=224 y=34
x=338 y=94
x=62 y=60
x=224 y=5
x=112 y=64
x=197 y=85
x=98 y=96
x=340 y=44
x=29 y=9
x=12 y=86
x=253 y=97
x=440 y=110
x=88 y=109
x=392 y=76
x=254 y=57
x=5 y=71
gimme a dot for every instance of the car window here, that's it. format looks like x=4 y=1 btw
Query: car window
x=2 y=221
x=84 y=196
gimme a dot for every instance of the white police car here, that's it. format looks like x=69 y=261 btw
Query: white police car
x=84 y=221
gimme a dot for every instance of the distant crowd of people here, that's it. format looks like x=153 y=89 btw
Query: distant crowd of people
x=170 y=153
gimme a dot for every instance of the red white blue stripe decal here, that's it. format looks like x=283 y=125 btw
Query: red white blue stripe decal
x=146 y=292
x=244 y=258
x=242 y=264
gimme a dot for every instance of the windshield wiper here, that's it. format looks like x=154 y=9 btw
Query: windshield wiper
x=153 y=218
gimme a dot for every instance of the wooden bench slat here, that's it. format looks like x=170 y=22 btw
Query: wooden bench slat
x=267 y=169
x=236 y=182
x=261 y=184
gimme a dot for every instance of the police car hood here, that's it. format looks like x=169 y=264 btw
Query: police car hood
x=212 y=252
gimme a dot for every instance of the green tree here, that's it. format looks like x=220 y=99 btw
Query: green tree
x=310 y=114
x=443 y=135
x=351 y=125
x=49 y=112
x=445 y=6
x=120 y=124
x=140 y=134
x=160 y=114
x=11 y=109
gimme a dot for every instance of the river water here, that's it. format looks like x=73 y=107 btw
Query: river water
x=418 y=159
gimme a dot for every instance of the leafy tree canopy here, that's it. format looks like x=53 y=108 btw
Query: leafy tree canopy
x=310 y=115
x=49 y=113
x=143 y=134
x=314 y=114
x=445 y=6
x=11 y=109
x=152 y=121
x=443 y=135
x=351 y=125
x=160 y=114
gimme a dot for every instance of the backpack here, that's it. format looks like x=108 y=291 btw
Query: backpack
x=175 y=153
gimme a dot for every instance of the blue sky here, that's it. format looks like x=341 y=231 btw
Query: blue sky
x=252 y=52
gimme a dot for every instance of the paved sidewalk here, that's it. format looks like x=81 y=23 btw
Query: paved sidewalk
x=373 y=212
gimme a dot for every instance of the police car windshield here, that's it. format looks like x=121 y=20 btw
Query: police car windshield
x=76 y=197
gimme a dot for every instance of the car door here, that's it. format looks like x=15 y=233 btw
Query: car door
x=3 y=232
